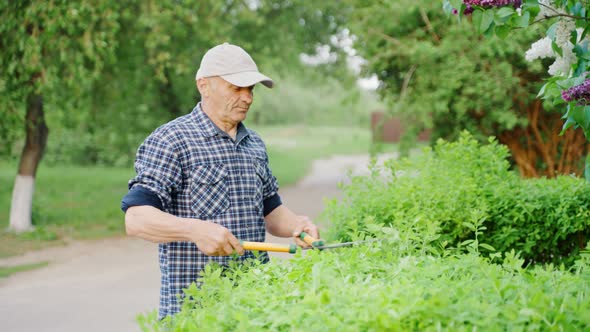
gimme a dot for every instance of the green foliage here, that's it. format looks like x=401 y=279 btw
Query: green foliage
x=384 y=286
x=53 y=49
x=111 y=72
x=449 y=193
x=441 y=74
x=568 y=36
x=69 y=203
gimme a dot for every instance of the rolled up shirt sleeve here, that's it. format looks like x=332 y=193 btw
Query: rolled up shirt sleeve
x=139 y=196
x=158 y=174
x=271 y=203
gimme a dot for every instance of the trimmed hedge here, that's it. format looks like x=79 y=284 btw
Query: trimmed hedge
x=384 y=287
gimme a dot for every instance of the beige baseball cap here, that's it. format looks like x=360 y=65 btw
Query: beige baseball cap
x=233 y=64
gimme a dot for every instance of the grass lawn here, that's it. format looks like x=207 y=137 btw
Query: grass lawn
x=70 y=202
x=7 y=271
x=74 y=202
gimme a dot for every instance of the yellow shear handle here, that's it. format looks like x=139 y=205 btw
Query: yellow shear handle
x=262 y=246
x=312 y=241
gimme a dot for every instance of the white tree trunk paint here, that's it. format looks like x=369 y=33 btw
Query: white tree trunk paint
x=22 y=203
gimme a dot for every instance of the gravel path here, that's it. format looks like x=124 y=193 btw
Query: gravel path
x=102 y=285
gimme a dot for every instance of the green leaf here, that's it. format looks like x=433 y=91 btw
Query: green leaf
x=587 y=168
x=577 y=9
x=502 y=31
x=523 y=20
x=587 y=116
x=569 y=120
x=487 y=246
x=469 y=225
x=543 y=88
x=505 y=12
x=551 y=31
x=487 y=19
x=456 y=4
x=476 y=18
x=556 y=48
x=467 y=242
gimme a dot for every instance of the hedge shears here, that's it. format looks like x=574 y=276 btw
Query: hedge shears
x=292 y=248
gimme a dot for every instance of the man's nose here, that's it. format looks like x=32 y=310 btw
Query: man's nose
x=247 y=96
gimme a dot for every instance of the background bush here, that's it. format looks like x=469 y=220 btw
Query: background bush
x=458 y=188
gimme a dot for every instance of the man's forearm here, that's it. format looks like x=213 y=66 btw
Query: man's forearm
x=282 y=222
x=151 y=224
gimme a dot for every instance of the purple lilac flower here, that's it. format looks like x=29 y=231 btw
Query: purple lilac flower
x=493 y=3
x=579 y=93
x=487 y=4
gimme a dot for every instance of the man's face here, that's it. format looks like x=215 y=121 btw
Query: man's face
x=229 y=101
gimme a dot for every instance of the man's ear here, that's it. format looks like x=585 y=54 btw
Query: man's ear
x=203 y=87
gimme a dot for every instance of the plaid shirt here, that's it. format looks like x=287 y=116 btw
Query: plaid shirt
x=199 y=172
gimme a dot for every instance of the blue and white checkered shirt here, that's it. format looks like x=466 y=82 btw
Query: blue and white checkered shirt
x=199 y=172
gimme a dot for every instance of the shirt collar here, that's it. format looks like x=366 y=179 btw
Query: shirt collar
x=209 y=129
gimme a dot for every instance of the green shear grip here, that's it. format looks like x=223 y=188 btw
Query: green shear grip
x=311 y=240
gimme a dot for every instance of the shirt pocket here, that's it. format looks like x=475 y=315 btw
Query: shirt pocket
x=209 y=194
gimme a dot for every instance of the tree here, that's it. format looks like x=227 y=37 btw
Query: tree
x=49 y=49
x=102 y=74
x=444 y=76
x=158 y=54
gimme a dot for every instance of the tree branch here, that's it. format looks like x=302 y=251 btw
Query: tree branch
x=429 y=25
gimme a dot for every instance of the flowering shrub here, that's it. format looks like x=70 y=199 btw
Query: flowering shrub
x=579 y=93
x=565 y=40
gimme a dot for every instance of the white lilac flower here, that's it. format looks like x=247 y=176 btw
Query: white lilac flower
x=539 y=50
x=563 y=31
x=546 y=9
x=562 y=64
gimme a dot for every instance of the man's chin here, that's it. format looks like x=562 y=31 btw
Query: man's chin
x=241 y=115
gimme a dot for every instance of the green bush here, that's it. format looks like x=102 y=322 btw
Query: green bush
x=450 y=192
x=385 y=286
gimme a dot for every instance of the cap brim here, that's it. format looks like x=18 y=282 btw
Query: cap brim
x=248 y=78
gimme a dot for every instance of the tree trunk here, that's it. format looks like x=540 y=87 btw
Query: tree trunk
x=24 y=184
x=539 y=150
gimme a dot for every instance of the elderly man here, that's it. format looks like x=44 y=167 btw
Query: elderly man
x=203 y=182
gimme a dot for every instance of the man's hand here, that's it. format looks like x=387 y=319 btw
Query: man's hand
x=307 y=226
x=215 y=240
